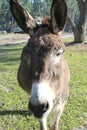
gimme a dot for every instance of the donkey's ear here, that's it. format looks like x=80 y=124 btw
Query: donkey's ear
x=23 y=18
x=58 y=15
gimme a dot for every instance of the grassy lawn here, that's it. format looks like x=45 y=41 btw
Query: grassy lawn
x=13 y=100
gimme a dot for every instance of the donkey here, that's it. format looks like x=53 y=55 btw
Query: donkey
x=43 y=71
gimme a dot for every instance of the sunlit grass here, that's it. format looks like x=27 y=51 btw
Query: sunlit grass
x=14 y=101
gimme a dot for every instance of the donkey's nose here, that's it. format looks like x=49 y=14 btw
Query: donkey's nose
x=39 y=109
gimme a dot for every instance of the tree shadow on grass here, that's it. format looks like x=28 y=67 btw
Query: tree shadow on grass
x=7 y=57
x=15 y=112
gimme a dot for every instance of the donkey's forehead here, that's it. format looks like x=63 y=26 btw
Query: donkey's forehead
x=45 y=41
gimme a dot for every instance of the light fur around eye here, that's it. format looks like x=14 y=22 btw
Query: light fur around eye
x=59 y=52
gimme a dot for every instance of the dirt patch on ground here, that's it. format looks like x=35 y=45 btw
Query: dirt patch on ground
x=78 y=47
x=12 y=38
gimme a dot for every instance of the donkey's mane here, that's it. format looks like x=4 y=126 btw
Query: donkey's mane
x=46 y=20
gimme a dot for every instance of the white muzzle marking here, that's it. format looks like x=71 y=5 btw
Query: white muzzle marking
x=42 y=93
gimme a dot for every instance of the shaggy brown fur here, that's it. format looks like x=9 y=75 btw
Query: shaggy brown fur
x=46 y=20
x=43 y=71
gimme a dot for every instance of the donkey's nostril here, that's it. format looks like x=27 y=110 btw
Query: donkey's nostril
x=39 y=109
x=45 y=106
x=31 y=106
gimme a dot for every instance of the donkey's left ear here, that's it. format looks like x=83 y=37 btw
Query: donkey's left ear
x=23 y=18
x=58 y=15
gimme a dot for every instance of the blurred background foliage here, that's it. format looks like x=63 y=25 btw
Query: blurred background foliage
x=38 y=8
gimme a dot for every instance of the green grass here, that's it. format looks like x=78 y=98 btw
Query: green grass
x=13 y=100
x=76 y=111
x=68 y=40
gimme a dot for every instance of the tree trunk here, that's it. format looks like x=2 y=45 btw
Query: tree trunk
x=74 y=28
x=80 y=29
x=82 y=4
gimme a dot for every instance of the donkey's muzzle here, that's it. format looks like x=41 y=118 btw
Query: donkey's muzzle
x=38 y=110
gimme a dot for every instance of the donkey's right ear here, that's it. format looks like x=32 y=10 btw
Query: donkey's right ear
x=23 y=18
x=58 y=15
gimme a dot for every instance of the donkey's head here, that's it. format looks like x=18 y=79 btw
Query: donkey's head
x=42 y=63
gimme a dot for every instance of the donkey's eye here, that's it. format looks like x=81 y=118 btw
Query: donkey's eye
x=58 y=54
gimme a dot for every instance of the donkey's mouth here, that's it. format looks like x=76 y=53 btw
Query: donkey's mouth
x=38 y=115
x=39 y=110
